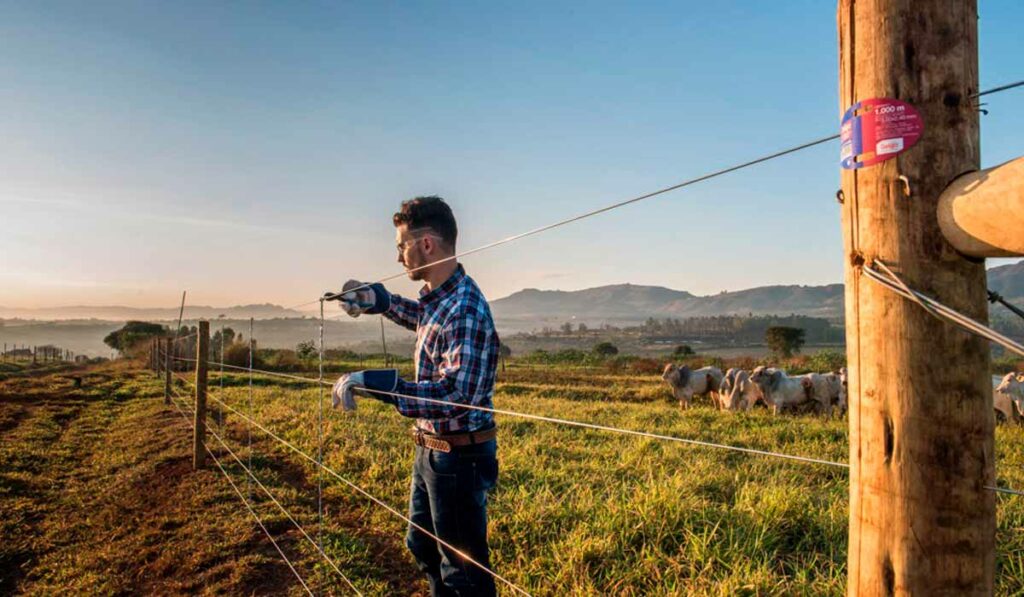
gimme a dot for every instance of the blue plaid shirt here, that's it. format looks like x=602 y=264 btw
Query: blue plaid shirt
x=456 y=355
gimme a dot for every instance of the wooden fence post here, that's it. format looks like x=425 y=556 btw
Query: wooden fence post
x=921 y=417
x=167 y=370
x=202 y=354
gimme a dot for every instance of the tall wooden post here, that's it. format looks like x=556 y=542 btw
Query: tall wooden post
x=202 y=354
x=167 y=370
x=921 y=417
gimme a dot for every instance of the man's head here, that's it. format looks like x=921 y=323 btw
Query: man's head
x=425 y=232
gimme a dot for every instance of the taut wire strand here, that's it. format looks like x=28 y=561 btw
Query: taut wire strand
x=252 y=476
x=320 y=436
x=895 y=284
x=381 y=503
x=582 y=424
x=250 y=509
x=710 y=175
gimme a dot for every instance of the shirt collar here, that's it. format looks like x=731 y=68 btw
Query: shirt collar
x=445 y=288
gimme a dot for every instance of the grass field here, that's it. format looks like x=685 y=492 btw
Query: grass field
x=105 y=502
x=22 y=368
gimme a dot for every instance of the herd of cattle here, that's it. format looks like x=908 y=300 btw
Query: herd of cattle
x=821 y=393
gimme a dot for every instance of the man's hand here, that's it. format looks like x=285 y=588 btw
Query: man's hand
x=362 y=383
x=369 y=298
x=341 y=394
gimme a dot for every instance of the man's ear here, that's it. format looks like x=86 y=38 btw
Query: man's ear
x=433 y=245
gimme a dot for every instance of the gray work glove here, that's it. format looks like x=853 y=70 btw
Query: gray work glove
x=369 y=298
x=384 y=380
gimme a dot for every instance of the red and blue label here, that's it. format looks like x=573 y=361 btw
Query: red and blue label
x=877 y=129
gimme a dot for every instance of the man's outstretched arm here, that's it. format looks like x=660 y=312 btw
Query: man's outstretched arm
x=405 y=312
x=376 y=300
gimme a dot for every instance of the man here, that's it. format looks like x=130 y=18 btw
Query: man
x=456 y=357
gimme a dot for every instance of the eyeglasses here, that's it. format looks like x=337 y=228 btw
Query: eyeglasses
x=400 y=247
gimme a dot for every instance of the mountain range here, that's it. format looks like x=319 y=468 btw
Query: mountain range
x=630 y=302
x=618 y=302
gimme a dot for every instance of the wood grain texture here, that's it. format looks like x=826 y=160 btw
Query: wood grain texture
x=921 y=417
x=982 y=212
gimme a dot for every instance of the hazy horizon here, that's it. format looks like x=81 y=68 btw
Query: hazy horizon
x=332 y=309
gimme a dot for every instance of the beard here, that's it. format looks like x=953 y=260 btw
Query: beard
x=416 y=260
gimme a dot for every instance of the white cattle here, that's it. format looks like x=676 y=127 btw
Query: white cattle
x=784 y=393
x=1008 y=397
x=687 y=383
x=743 y=394
x=835 y=388
x=725 y=389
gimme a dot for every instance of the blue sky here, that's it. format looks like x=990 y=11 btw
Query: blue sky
x=254 y=152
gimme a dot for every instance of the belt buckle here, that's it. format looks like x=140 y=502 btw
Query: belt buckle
x=431 y=443
x=439 y=444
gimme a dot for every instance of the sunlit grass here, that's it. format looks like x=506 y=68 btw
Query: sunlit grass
x=575 y=511
x=588 y=512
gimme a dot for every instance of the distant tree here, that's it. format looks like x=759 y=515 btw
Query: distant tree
x=583 y=328
x=220 y=341
x=305 y=350
x=567 y=328
x=683 y=350
x=605 y=349
x=132 y=334
x=238 y=355
x=784 y=341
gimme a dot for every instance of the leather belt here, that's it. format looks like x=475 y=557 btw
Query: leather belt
x=444 y=443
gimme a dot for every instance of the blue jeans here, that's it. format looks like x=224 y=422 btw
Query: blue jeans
x=449 y=499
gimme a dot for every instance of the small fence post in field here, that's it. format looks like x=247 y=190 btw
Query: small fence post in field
x=167 y=370
x=35 y=350
x=384 y=343
x=202 y=354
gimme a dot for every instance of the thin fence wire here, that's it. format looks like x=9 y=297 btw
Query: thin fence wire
x=597 y=427
x=590 y=214
x=320 y=435
x=379 y=502
x=998 y=89
x=251 y=476
x=890 y=280
x=995 y=297
x=583 y=425
x=185 y=337
x=1006 y=490
x=251 y=341
x=613 y=206
x=250 y=509
x=221 y=412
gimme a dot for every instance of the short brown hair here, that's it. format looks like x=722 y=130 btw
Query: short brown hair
x=429 y=212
